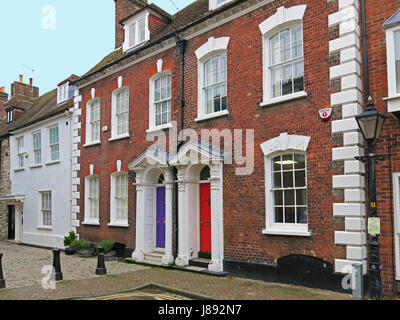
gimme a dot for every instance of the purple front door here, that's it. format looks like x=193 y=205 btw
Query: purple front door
x=160 y=236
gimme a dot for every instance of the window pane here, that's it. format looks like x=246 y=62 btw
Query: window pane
x=288 y=179
x=278 y=215
x=132 y=35
x=297 y=42
x=289 y=198
x=142 y=29
x=290 y=215
x=276 y=82
x=278 y=197
x=287 y=162
x=287 y=79
x=274 y=49
x=277 y=180
x=301 y=197
x=277 y=163
x=300 y=161
x=300 y=178
x=397 y=58
x=285 y=45
x=298 y=76
x=302 y=215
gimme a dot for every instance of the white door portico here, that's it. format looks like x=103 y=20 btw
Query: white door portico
x=149 y=168
x=190 y=161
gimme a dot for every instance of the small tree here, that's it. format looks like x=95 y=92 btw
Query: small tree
x=107 y=244
x=68 y=239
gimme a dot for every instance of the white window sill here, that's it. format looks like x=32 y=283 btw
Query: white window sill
x=118 y=225
x=91 y=223
x=36 y=166
x=287 y=232
x=19 y=169
x=289 y=97
x=212 y=115
x=124 y=136
x=396 y=96
x=159 y=128
x=45 y=228
x=90 y=144
x=53 y=163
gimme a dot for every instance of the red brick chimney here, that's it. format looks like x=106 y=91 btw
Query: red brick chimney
x=124 y=9
x=24 y=90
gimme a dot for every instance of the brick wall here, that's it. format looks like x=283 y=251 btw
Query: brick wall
x=378 y=13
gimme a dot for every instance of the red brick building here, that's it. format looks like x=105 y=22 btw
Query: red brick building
x=287 y=201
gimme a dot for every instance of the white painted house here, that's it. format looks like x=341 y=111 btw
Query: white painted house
x=41 y=160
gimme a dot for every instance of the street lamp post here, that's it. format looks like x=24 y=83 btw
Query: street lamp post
x=371 y=124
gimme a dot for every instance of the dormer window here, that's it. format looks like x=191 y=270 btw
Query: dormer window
x=214 y=4
x=62 y=93
x=10 y=115
x=136 y=31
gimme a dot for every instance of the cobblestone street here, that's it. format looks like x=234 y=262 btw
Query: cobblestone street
x=22 y=265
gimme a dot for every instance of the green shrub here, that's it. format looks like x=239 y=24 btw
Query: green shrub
x=68 y=239
x=107 y=244
x=78 y=245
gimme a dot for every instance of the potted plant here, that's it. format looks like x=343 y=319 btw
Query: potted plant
x=108 y=245
x=67 y=243
x=82 y=246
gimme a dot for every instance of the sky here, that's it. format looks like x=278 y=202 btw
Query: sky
x=57 y=38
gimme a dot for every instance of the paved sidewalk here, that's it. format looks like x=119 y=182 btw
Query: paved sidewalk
x=216 y=288
x=22 y=265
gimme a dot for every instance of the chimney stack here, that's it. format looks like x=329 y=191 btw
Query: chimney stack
x=24 y=90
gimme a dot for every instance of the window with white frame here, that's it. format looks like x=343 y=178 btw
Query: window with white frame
x=286 y=61
x=289 y=189
x=286 y=193
x=45 y=209
x=120 y=109
x=283 y=59
x=215 y=84
x=10 y=116
x=92 y=199
x=54 y=144
x=21 y=152
x=93 y=121
x=37 y=148
x=62 y=94
x=136 y=31
x=160 y=98
x=119 y=199
x=397 y=59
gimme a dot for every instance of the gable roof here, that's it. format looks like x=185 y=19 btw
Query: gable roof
x=42 y=108
x=192 y=14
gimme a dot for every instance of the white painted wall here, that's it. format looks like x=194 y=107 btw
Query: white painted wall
x=55 y=177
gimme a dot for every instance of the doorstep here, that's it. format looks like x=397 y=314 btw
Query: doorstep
x=175 y=267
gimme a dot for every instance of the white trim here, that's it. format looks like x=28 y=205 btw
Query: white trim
x=214 y=5
x=286 y=232
x=396 y=187
x=218 y=114
x=212 y=45
x=285 y=142
x=121 y=137
x=94 y=143
x=281 y=99
x=283 y=16
x=89 y=106
x=87 y=219
x=113 y=220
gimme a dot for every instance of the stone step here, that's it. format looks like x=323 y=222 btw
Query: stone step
x=200 y=262
x=154 y=256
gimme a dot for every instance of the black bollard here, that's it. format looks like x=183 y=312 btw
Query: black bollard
x=57 y=276
x=101 y=266
x=2 y=281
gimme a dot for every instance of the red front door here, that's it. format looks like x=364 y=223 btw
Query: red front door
x=205 y=217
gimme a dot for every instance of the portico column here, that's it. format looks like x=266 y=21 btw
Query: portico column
x=183 y=228
x=168 y=258
x=138 y=254
x=217 y=225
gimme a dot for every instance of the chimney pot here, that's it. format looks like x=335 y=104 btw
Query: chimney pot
x=2 y=89
x=31 y=81
x=21 y=78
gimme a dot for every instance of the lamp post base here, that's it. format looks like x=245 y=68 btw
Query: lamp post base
x=2 y=284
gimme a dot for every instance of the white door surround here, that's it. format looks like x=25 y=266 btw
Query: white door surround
x=148 y=168
x=189 y=169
